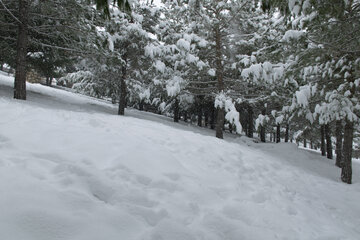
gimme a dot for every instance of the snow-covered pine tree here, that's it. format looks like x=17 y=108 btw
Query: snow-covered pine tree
x=40 y=29
x=328 y=64
x=29 y=23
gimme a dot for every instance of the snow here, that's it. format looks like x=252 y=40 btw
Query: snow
x=159 y=66
x=111 y=40
x=266 y=71
x=254 y=70
x=292 y=35
x=183 y=44
x=279 y=119
x=212 y=72
x=303 y=95
x=190 y=58
x=202 y=43
x=357 y=82
x=173 y=86
x=306 y=5
x=261 y=121
x=337 y=106
x=292 y=4
x=200 y=64
x=232 y=115
x=145 y=95
x=70 y=168
x=151 y=50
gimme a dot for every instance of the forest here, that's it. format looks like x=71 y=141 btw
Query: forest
x=273 y=70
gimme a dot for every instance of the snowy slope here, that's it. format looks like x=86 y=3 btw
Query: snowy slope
x=72 y=169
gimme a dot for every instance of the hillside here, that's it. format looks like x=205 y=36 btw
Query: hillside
x=70 y=168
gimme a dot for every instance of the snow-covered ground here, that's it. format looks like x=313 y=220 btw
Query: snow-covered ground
x=71 y=169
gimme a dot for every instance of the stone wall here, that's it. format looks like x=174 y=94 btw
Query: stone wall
x=33 y=77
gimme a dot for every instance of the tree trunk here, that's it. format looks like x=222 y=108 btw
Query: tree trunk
x=322 y=129
x=339 y=136
x=304 y=142
x=176 y=110
x=21 y=51
x=192 y=118
x=346 y=170
x=141 y=105
x=185 y=116
x=199 y=114
x=271 y=137
x=206 y=117
x=122 y=101
x=262 y=128
x=250 y=121
x=287 y=133
x=113 y=99
x=329 y=152
x=48 y=81
x=212 y=118
x=220 y=81
x=230 y=127
x=278 y=133
x=220 y=123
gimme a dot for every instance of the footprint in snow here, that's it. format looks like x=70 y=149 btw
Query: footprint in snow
x=172 y=176
x=168 y=230
x=86 y=162
x=231 y=169
x=329 y=207
x=166 y=186
x=259 y=197
x=71 y=174
x=291 y=211
x=3 y=139
x=143 y=180
x=137 y=198
x=238 y=212
x=53 y=157
x=100 y=190
x=151 y=217
x=194 y=208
